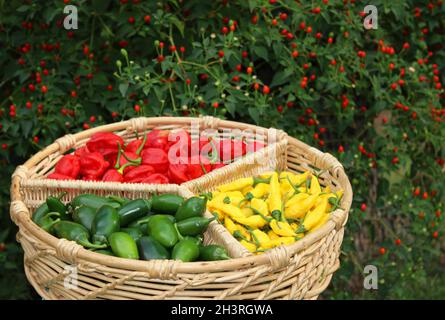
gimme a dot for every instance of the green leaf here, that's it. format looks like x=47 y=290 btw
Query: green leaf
x=281 y=77
x=123 y=87
x=24 y=8
x=254 y=113
x=261 y=52
x=231 y=107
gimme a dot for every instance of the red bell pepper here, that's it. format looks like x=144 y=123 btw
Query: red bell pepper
x=157 y=158
x=201 y=146
x=181 y=141
x=157 y=139
x=113 y=175
x=198 y=166
x=93 y=165
x=90 y=178
x=81 y=151
x=58 y=176
x=138 y=174
x=178 y=173
x=156 y=178
x=68 y=165
x=106 y=143
x=218 y=165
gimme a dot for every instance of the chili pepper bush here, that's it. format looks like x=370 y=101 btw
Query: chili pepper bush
x=373 y=98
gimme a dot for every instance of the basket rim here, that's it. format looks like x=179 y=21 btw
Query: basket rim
x=337 y=220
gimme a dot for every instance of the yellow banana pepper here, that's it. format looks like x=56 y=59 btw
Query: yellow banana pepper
x=260 y=190
x=314 y=217
x=322 y=221
x=236 y=230
x=230 y=225
x=289 y=181
x=272 y=235
x=299 y=209
x=295 y=199
x=274 y=200
x=278 y=242
x=247 y=212
x=315 y=186
x=240 y=184
x=248 y=245
x=231 y=210
x=253 y=222
x=260 y=206
x=246 y=190
x=260 y=237
x=282 y=228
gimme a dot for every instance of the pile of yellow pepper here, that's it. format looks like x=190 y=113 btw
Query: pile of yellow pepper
x=273 y=209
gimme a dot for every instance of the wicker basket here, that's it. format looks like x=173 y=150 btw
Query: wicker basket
x=299 y=271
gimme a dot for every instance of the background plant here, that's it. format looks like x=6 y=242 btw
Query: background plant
x=373 y=98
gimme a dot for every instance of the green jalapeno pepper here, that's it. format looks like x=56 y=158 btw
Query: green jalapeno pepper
x=134 y=232
x=104 y=251
x=123 y=245
x=85 y=216
x=193 y=226
x=40 y=212
x=56 y=205
x=121 y=201
x=185 y=250
x=162 y=229
x=92 y=200
x=150 y=249
x=197 y=239
x=106 y=221
x=212 y=252
x=192 y=207
x=75 y=232
x=166 y=203
x=47 y=221
x=133 y=210
x=140 y=224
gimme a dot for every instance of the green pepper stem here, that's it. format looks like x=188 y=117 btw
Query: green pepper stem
x=180 y=237
x=128 y=164
x=260 y=214
x=214 y=152
x=141 y=147
x=119 y=153
x=87 y=244
x=237 y=234
x=202 y=167
x=62 y=195
x=257 y=180
x=137 y=161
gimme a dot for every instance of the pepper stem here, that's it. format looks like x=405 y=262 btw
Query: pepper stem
x=180 y=237
x=119 y=153
x=141 y=147
x=62 y=195
x=128 y=164
x=214 y=153
x=87 y=244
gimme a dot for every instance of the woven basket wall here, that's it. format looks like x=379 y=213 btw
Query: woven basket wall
x=299 y=271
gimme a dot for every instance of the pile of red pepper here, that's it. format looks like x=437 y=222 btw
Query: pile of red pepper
x=149 y=159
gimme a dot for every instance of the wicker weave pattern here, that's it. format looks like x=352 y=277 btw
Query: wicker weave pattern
x=299 y=271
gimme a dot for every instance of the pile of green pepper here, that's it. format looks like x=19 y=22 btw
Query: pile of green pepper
x=165 y=226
